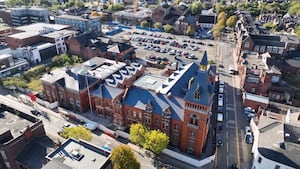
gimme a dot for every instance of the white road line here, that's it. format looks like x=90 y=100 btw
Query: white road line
x=227 y=134
x=227 y=147
x=227 y=160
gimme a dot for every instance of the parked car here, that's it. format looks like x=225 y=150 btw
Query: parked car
x=248 y=138
x=90 y=126
x=221 y=83
x=220 y=117
x=247 y=129
x=234 y=166
x=219 y=140
x=220 y=127
x=105 y=147
x=35 y=112
x=220 y=96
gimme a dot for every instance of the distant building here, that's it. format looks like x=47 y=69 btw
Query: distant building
x=5 y=30
x=84 y=23
x=207 y=21
x=28 y=15
x=276 y=141
x=17 y=128
x=10 y=65
x=78 y=154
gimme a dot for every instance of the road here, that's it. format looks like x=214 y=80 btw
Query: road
x=234 y=149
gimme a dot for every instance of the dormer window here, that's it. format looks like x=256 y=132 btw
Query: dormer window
x=197 y=93
x=194 y=119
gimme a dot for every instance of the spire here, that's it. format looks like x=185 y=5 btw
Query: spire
x=204 y=63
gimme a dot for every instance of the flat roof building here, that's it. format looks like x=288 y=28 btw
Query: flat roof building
x=84 y=23
x=28 y=15
x=80 y=155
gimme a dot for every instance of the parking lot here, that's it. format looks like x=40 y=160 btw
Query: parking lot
x=165 y=48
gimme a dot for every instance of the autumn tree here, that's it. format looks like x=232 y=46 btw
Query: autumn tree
x=138 y=133
x=157 y=25
x=77 y=132
x=156 y=141
x=231 y=21
x=123 y=158
x=295 y=9
x=190 y=31
x=221 y=16
x=144 y=24
x=168 y=28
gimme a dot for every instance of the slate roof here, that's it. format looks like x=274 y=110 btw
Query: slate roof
x=204 y=59
x=205 y=88
x=105 y=91
x=138 y=97
x=68 y=79
x=89 y=39
x=119 y=48
x=210 y=19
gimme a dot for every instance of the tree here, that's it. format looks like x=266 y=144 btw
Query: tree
x=207 y=5
x=270 y=26
x=77 y=132
x=216 y=33
x=123 y=158
x=157 y=25
x=178 y=1
x=196 y=8
x=231 y=21
x=297 y=31
x=168 y=28
x=190 y=31
x=295 y=9
x=14 y=3
x=156 y=141
x=221 y=16
x=138 y=133
x=144 y=24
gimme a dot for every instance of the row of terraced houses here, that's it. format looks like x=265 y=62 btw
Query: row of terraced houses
x=179 y=105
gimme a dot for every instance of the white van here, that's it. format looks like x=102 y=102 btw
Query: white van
x=90 y=126
x=219 y=117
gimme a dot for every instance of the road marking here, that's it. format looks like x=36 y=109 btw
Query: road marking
x=227 y=161
x=227 y=135
x=227 y=147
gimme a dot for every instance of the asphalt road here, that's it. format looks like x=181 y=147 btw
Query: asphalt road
x=234 y=149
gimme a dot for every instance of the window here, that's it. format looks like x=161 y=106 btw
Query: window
x=247 y=45
x=148 y=119
x=277 y=166
x=194 y=119
x=192 y=134
x=128 y=112
x=156 y=122
x=134 y=114
x=259 y=159
x=78 y=103
x=140 y=115
x=165 y=125
x=176 y=127
x=71 y=101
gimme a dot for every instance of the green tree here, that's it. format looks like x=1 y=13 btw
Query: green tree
x=123 y=158
x=231 y=21
x=14 y=81
x=295 y=9
x=207 y=5
x=190 y=31
x=14 y=3
x=138 y=133
x=178 y=1
x=168 y=28
x=144 y=24
x=77 y=132
x=196 y=8
x=270 y=26
x=297 y=31
x=156 y=141
x=157 y=25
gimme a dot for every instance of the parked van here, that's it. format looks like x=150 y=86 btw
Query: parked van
x=219 y=117
x=90 y=126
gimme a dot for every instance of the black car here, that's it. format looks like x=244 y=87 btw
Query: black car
x=219 y=140
x=220 y=127
x=35 y=112
x=234 y=166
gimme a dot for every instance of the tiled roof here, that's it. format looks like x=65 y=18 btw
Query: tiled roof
x=107 y=92
x=138 y=97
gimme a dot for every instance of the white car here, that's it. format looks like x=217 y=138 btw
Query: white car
x=220 y=117
x=250 y=115
x=221 y=90
x=90 y=126
x=220 y=102
x=221 y=83
x=247 y=129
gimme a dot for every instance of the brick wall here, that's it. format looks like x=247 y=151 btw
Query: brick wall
x=14 y=43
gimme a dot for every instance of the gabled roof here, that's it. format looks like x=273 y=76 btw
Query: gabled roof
x=138 y=98
x=119 y=48
x=105 y=91
x=89 y=39
x=202 y=85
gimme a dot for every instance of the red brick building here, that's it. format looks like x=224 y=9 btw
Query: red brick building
x=68 y=86
x=14 y=137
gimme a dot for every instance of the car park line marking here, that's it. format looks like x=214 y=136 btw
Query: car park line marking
x=227 y=135
x=227 y=160
x=227 y=147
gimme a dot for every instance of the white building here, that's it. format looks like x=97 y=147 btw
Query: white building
x=276 y=143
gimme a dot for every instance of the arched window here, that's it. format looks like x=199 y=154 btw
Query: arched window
x=194 y=119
